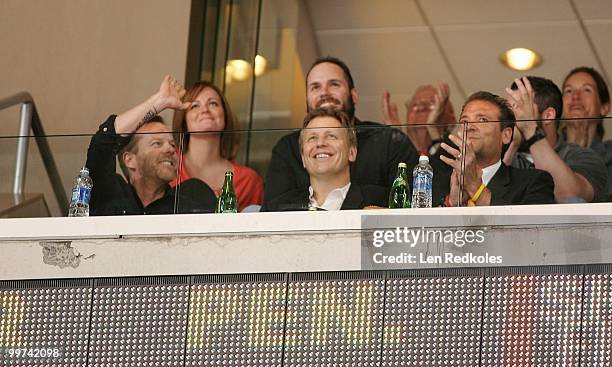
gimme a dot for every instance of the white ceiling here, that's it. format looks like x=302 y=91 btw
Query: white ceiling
x=399 y=45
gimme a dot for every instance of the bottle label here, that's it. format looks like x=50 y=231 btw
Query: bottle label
x=422 y=182
x=80 y=195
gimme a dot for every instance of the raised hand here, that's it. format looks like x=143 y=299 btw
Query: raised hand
x=170 y=95
x=389 y=110
x=522 y=102
x=440 y=100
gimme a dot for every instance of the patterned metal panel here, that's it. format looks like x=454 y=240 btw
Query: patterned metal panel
x=597 y=321
x=139 y=324
x=44 y=325
x=433 y=320
x=237 y=322
x=334 y=322
x=529 y=316
x=532 y=320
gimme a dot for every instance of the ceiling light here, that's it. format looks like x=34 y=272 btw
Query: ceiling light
x=520 y=59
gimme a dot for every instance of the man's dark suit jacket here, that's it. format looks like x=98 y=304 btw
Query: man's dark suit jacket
x=357 y=197
x=517 y=186
x=379 y=149
x=513 y=186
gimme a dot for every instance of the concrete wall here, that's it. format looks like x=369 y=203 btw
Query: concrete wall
x=45 y=248
x=82 y=60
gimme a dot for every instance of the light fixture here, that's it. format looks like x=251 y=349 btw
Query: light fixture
x=520 y=59
x=240 y=69
x=261 y=63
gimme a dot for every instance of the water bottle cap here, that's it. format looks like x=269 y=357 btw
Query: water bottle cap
x=229 y=173
x=85 y=169
x=423 y=159
x=401 y=165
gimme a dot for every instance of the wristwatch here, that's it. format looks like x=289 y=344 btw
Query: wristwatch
x=537 y=136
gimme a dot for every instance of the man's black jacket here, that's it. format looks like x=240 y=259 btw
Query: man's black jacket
x=112 y=195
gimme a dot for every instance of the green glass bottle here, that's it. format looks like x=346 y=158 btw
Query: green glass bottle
x=227 y=202
x=399 y=197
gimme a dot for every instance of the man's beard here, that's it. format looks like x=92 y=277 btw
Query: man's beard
x=152 y=169
x=348 y=107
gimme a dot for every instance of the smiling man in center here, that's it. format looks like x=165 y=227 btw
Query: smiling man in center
x=328 y=146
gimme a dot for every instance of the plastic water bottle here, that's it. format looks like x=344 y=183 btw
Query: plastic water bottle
x=81 y=193
x=422 y=182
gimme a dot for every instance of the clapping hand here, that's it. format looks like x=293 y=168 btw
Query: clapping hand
x=472 y=174
x=440 y=100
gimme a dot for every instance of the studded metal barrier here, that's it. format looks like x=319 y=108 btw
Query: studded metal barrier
x=527 y=316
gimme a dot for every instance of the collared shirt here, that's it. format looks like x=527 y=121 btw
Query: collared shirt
x=489 y=172
x=333 y=201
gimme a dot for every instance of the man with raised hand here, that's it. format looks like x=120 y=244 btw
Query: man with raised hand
x=429 y=113
x=148 y=157
x=579 y=173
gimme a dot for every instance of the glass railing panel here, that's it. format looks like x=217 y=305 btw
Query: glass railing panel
x=161 y=158
x=279 y=97
x=39 y=199
x=241 y=65
x=138 y=186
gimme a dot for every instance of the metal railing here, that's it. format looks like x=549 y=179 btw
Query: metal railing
x=29 y=119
